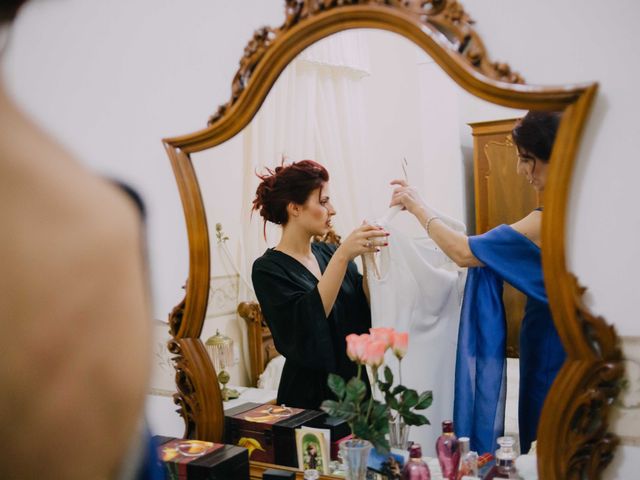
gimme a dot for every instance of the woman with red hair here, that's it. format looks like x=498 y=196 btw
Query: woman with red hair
x=311 y=294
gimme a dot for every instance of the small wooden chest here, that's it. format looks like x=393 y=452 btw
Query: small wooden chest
x=196 y=460
x=268 y=431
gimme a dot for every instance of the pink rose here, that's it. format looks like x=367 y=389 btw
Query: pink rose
x=374 y=353
x=352 y=347
x=383 y=334
x=400 y=344
x=356 y=345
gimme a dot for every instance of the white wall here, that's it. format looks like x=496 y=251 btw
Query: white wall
x=110 y=79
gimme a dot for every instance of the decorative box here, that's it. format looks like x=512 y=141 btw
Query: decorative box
x=268 y=431
x=197 y=460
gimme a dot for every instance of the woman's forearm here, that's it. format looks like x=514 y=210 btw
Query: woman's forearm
x=454 y=244
x=331 y=280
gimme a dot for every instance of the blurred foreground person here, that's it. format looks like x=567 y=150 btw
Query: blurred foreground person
x=74 y=310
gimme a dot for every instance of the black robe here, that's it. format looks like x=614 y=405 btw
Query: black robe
x=312 y=344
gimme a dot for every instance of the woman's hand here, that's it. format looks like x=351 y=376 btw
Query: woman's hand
x=407 y=197
x=364 y=239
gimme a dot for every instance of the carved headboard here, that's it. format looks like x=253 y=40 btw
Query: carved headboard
x=261 y=346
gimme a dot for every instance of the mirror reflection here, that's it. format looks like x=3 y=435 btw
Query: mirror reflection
x=431 y=188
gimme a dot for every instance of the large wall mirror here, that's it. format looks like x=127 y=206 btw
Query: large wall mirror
x=375 y=92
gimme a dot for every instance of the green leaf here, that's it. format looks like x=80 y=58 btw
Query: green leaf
x=415 y=419
x=379 y=418
x=388 y=376
x=361 y=429
x=381 y=422
x=344 y=410
x=330 y=406
x=381 y=444
x=398 y=389
x=356 y=390
x=379 y=410
x=409 y=398
x=393 y=403
x=336 y=384
x=425 y=400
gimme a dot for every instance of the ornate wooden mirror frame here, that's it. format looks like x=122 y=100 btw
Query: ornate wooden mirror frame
x=574 y=441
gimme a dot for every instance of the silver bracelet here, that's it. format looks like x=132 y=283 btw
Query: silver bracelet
x=428 y=224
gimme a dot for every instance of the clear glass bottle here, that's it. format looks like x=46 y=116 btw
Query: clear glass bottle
x=415 y=468
x=505 y=466
x=448 y=451
x=468 y=460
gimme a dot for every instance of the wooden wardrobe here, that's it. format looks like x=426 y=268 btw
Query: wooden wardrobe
x=501 y=196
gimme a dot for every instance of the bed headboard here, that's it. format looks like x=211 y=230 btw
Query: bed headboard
x=261 y=346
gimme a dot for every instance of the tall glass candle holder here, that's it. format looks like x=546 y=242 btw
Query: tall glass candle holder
x=220 y=349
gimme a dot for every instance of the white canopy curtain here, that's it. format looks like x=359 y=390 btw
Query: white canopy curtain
x=314 y=111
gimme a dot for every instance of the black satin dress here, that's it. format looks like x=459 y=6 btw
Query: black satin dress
x=313 y=345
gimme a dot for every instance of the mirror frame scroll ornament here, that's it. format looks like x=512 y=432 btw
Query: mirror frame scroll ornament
x=574 y=441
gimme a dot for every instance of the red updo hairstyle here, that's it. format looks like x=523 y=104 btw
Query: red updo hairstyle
x=286 y=184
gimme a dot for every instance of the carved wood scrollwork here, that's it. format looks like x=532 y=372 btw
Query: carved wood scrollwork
x=590 y=409
x=200 y=403
x=175 y=317
x=577 y=409
x=590 y=447
x=446 y=16
x=260 y=341
x=601 y=336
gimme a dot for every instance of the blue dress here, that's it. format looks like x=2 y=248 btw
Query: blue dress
x=480 y=386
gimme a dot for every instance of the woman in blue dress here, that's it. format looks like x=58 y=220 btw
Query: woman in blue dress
x=508 y=253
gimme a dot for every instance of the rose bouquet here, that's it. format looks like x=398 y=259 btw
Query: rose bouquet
x=369 y=417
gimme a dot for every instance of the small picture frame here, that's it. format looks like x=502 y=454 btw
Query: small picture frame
x=312 y=445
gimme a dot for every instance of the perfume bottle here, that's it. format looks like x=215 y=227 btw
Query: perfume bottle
x=505 y=466
x=468 y=460
x=415 y=468
x=448 y=451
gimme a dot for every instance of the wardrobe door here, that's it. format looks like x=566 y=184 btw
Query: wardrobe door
x=501 y=196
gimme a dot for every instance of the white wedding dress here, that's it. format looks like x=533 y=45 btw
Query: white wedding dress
x=416 y=288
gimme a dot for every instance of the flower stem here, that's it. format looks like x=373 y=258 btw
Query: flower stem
x=375 y=382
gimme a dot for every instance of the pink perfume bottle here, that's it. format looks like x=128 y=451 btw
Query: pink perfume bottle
x=415 y=468
x=448 y=451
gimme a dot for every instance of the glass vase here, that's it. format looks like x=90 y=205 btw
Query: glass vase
x=355 y=454
x=398 y=433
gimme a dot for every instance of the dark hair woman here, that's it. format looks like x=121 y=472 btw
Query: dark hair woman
x=311 y=294
x=508 y=253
